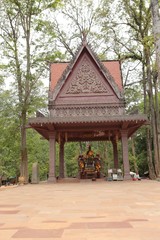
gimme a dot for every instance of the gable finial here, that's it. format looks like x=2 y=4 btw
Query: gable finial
x=84 y=40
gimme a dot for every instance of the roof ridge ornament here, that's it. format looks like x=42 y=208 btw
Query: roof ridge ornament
x=84 y=40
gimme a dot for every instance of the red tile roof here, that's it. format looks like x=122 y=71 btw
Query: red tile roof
x=115 y=71
x=112 y=66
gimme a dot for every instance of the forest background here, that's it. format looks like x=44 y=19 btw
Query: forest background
x=34 y=33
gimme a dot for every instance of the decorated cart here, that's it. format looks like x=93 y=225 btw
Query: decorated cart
x=89 y=165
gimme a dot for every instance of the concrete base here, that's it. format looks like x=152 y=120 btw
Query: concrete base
x=52 y=180
x=127 y=177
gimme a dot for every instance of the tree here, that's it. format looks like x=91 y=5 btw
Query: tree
x=9 y=137
x=24 y=57
x=137 y=44
x=156 y=33
x=82 y=20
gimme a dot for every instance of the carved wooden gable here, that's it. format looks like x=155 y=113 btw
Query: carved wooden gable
x=86 y=83
x=86 y=80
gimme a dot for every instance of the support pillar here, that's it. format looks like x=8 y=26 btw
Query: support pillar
x=126 y=166
x=52 y=157
x=61 y=159
x=115 y=153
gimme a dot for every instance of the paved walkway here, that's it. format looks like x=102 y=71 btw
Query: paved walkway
x=87 y=210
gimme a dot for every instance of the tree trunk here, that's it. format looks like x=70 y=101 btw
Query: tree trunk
x=148 y=133
x=152 y=111
x=157 y=116
x=156 y=33
x=24 y=157
x=26 y=24
x=152 y=174
x=81 y=147
x=105 y=159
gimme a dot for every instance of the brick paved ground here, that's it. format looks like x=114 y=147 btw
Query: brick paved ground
x=86 y=210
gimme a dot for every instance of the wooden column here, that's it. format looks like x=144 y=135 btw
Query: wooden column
x=126 y=166
x=52 y=157
x=61 y=159
x=115 y=153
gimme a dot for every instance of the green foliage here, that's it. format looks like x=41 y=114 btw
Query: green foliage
x=140 y=152
x=52 y=4
x=71 y=158
x=73 y=149
x=38 y=151
x=132 y=159
x=9 y=137
x=133 y=96
x=23 y=56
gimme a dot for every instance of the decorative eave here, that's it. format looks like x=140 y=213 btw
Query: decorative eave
x=88 y=119
x=100 y=65
x=77 y=127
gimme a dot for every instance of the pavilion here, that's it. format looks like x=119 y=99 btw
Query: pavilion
x=86 y=103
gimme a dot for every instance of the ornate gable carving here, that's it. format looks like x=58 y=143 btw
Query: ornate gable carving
x=85 y=78
x=86 y=81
